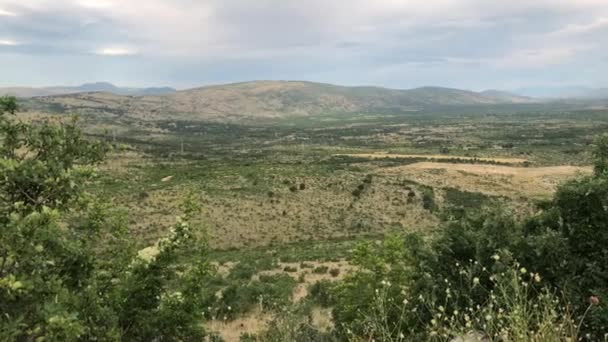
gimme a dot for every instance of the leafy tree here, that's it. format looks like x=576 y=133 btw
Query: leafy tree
x=68 y=269
x=601 y=155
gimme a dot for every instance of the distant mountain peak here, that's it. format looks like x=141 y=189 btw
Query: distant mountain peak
x=98 y=86
x=106 y=87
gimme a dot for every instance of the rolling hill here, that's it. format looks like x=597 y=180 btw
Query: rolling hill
x=272 y=100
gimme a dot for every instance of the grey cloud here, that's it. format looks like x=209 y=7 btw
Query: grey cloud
x=472 y=43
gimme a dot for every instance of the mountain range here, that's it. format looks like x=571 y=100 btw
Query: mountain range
x=274 y=99
x=84 y=88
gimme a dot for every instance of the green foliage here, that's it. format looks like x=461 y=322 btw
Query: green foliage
x=320 y=269
x=246 y=268
x=574 y=238
x=466 y=199
x=44 y=165
x=428 y=199
x=270 y=292
x=402 y=282
x=378 y=265
x=517 y=308
x=601 y=155
x=290 y=269
x=291 y=325
x=321 y=293
x=68 y=268
x=242 y=271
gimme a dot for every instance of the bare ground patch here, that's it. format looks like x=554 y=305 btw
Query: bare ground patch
x=513 y=182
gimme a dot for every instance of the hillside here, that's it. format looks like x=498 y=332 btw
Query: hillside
x=272 y=100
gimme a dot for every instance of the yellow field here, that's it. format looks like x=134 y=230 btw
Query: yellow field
x=513 y=182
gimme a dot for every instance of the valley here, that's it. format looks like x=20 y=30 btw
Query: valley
x=303 y=171
x=287 y=199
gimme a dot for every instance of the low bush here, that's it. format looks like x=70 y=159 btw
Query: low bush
x=320 y=293
x=320 y=269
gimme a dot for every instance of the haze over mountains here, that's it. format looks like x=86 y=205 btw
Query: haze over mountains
x=84 y=88
x=517 y=95
x=274 y=99
x=563 y=92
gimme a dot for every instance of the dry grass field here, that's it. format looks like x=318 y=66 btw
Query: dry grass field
x=495 y=180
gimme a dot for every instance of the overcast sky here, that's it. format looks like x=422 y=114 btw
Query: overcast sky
x=473 y=44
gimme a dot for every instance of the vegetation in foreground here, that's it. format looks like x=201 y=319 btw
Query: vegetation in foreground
x=69 y=270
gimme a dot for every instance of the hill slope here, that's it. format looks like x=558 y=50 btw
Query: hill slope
x=275 y=99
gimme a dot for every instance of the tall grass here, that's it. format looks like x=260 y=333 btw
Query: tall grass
x=518 y=309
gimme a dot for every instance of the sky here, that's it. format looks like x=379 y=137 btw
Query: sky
x=469 y=44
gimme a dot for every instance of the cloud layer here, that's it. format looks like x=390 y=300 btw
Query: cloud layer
x=398 y=43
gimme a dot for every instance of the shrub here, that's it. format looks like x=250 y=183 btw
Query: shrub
x=516 y=310
x=290 y=269
x=291 y=326
x=428 y=199
x=321 y=293
x=320 y=270
x=242 y=271
x=302 y=277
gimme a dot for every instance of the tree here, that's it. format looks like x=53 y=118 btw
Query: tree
x=601 y=155
x=68 y=269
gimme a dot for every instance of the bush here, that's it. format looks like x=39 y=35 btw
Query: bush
x=271 y=292
x=428 y=199
x=321 y=293
x=291 y=326
x=320 y=270
x=517 y=309
x=290 y=269
x=242 y=271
